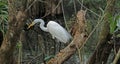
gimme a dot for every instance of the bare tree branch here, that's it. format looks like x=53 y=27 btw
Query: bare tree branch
x=79 y=38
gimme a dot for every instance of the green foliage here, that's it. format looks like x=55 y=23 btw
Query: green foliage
x=3 y=15
x=19 y=44
x=118 y=22
x=3 y=10
x=47 y=58
x=118 y=35
x=112 y=24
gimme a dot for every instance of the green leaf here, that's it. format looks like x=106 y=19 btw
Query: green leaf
x=19 y=44
x=118 y=35
x=113 y=24
x=49 y=57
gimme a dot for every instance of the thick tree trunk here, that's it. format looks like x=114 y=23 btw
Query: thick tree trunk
x=16 y=22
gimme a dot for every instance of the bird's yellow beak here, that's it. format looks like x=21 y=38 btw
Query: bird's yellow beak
x=32 y=24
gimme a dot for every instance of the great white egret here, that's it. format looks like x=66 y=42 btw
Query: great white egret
x=56 y=30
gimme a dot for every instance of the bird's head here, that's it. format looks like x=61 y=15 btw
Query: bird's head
x=34 y=22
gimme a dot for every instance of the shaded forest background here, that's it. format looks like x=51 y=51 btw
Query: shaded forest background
x=20 y=45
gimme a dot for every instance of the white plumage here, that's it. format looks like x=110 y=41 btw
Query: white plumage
x=56 y=30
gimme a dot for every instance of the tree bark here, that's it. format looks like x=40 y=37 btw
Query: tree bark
x=16 y=23
x=78 y=40
x=17 y=15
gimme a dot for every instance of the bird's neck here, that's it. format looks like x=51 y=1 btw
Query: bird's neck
x=43 y=27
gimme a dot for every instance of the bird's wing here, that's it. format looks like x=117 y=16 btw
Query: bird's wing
x=58 y=31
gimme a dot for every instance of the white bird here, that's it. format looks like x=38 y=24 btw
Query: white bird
x=56 y=30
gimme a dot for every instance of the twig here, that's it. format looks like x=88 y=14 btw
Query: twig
x=88 y=9
x=99 y=22
x=34 y=58
x=64 y=15
x=93 y=31
x=75 y=7
x=53 y=9
x=30 y=5
x=82 y=5
x=116 y=57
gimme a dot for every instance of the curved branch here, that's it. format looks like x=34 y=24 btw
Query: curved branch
x=79 y=38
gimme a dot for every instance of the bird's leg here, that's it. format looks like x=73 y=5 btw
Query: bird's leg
x=57 y=45
x=57 y=41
